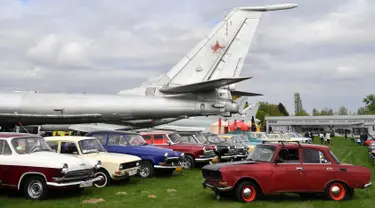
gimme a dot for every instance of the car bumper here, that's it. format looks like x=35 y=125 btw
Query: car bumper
x=86 y=183
x=227 y=157
x=216 y=188
x=206 y=159
x=121 y=174
x=367 y=185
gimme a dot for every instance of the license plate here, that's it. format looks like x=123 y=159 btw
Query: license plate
x=85 y=184
x=214 y=160
x=132 y=172
x=179 y=169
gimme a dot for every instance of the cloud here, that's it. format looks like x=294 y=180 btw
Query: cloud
x=321 y=49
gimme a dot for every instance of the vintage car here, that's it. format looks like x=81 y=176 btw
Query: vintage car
x=224 y=151
x=242 y=147
x=297 y=137
x=194 y=153
x=28 y=164
x=153 y=158
x=114 y=166
x=287 y=167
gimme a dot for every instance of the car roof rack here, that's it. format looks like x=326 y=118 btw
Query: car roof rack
x=283 y=142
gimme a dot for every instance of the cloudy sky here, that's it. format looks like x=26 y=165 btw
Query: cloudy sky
x=322 y=49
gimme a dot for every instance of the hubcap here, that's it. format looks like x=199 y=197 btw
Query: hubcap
x=103 y=181
x=186 y=164
x=335 y=190
x=144 y=171
x=247 y=192
x=35 y=189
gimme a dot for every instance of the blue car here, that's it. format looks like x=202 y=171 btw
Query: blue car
x=153 y=158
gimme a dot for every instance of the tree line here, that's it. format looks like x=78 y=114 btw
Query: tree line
x=269 y=109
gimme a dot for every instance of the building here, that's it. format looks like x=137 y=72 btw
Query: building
x=338 y=124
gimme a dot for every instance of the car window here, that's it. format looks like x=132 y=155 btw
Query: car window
x=54 y=145
x=289 y=155
x=116 y=140
x=314 y=156
x=68 y=148
x=5 y=148
x=188 y=138
x=160 y=139
x=101 y=137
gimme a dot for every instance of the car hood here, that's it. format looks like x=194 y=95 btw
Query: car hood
x=108 y=158
x=217 y=166
x=158 y=151
x=55 y=160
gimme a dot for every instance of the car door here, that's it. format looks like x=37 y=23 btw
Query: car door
x=5 y=162
x=288 y=175
x=317 y=169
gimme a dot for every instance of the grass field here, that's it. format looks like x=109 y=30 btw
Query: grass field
x=188 y=191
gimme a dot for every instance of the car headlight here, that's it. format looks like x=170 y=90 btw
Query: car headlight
x=215 y=147
x=64 y=168
x=137 y=164
x=166 y=154
x=182 y=154
x=98 y=164
x=204 y=148
x=121 y=167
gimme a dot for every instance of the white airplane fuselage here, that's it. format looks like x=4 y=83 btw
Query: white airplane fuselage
x=77 y=108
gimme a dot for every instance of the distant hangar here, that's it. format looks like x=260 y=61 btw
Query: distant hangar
x=356 y=124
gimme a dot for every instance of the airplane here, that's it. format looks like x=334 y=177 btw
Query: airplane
x=203 y=123
x=200 y=84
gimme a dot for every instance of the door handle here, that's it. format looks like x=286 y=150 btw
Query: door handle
x=299 y=168
x=329 y=169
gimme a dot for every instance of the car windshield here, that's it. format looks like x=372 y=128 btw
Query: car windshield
x=88 y=146
x=135 y=140
x=201 y=139
x=30 y=144
x=262 y=153
x=334 y=157
x=226 y=139
x=175 y=138
x=213 y=138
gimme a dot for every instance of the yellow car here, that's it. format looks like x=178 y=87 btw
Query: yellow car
x=114 y=166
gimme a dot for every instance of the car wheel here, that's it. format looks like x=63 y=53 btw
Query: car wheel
x=188 y=162
x=337 y=191
x=146 y=169
x=35 y=188
x=246 y=191
x=106 y=179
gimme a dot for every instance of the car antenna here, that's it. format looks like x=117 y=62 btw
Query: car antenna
x=20 y=123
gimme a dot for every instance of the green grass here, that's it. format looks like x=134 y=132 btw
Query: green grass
x=191 y=194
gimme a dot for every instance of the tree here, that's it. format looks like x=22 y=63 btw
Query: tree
x=369 y=101
x=298 y=108
x=282 y=109
x=315 y=112
x=343 y=111
x=361 y=111
x=326 y=112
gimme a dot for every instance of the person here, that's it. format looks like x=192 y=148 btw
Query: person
x=321 y=135
x=307 y=134
x=328 y=138
x=352 y=136
x=311 y=136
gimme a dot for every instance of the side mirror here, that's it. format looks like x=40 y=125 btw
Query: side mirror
x=278 y=160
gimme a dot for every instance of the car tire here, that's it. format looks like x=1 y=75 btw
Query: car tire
x=146 y=169
x=337 y=191
x=247 y=191
x=188 y=162
x=35 y=188
x=106 y=178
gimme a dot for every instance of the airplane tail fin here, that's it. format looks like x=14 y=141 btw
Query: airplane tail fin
x=220 y=54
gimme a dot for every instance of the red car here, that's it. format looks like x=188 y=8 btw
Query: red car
x=193 y=152
x=286 y=167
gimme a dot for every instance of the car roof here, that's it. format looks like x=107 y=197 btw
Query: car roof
x=67 y=138
x=113 y=131
x=11 y=135
x=156 y=132
x=291 y=145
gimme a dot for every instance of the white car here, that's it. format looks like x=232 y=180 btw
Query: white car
x=28 y=164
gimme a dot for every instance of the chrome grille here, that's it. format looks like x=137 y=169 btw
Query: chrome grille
x=130 y=165
x=78 y=174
